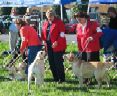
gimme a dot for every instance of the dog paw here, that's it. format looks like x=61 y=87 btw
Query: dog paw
x=29 y=93
x=85 y=89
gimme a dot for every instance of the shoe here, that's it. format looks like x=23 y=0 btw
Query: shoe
x=56 y=80
x=61 y=81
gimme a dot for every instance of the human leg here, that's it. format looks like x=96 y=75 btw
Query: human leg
x=12 y=40
x=58 y=59
x=52 y=65
x=32 y=52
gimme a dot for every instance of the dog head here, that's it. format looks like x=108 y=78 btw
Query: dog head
x=109 y=58
x=41 y=55
x=71 y=57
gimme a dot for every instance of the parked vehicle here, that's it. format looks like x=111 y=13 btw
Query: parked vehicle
x=70 y=28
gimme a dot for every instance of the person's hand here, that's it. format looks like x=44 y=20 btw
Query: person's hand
x=21 y=52
x=89 y=38
x=54 y=44
x=24 y=51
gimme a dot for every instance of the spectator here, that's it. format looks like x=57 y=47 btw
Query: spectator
x=88 y=37
x=74 y=19
x=110 y=34
x=13 y=31
x=32 y=18
x=2 y=27
x=53 y=33
x=13 y=36
x=30 y=41
x=113 y=18
x=16 y=54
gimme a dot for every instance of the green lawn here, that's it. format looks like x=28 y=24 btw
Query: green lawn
x=49 y=88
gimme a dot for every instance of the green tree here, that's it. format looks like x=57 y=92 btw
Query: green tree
x=21 y=10
x=80 y=7
x=5 y=10
x=56 y=8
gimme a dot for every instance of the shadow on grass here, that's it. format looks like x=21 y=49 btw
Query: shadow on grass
x=71 y=81
x=92 y=85
x=48 y=80
x=3 y=78
x=75 y=89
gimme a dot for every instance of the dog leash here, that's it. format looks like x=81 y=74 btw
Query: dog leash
x=11 y=64
x=83 y=48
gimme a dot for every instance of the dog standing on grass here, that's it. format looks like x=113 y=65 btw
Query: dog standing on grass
x=83 y=69
x=36 y=69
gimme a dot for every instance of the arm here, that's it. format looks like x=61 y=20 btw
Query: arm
x=97 y=30
x=61 y=34
x=42 y=33
x=24 y=38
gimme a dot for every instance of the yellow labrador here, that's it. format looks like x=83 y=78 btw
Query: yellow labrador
x=84 y=69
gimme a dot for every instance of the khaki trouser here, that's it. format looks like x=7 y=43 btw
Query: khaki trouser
x=13 y=36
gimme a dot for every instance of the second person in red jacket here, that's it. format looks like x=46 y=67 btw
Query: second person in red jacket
x=53 y=33
x=88 y=37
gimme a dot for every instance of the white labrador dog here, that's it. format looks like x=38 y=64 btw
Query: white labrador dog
x=84 y=69
x=36 y=69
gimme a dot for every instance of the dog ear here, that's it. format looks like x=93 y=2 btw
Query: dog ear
x=65 y=56
x=43 y=48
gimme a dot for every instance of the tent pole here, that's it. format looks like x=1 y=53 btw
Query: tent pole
x=88 y=8
x=41 y=20
x=61 y=8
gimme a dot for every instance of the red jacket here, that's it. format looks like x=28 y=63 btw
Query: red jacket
x=29 y=37
x=91 y=30
x=57 y=28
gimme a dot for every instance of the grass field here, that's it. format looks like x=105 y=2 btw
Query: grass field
x=49 y=88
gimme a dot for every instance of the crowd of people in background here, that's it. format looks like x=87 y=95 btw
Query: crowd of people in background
x=88 y=35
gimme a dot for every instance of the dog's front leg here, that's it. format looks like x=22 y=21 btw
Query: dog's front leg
x=81 y=81
x=37 y=80
x=107 y=79
x=29 y=80
x=99 y=83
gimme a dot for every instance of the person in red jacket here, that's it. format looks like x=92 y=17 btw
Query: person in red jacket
x=53 y=33
x=29 y=40
x=88 y=37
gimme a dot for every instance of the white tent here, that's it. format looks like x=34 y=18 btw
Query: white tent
x=17 y=3
x=29 y=3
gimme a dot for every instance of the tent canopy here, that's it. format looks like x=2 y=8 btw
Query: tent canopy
x=98 y=2
x=27 y=3
x=103 y=1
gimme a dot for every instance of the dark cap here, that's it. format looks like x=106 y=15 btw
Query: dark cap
x=112 y=9
x=82 y=15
